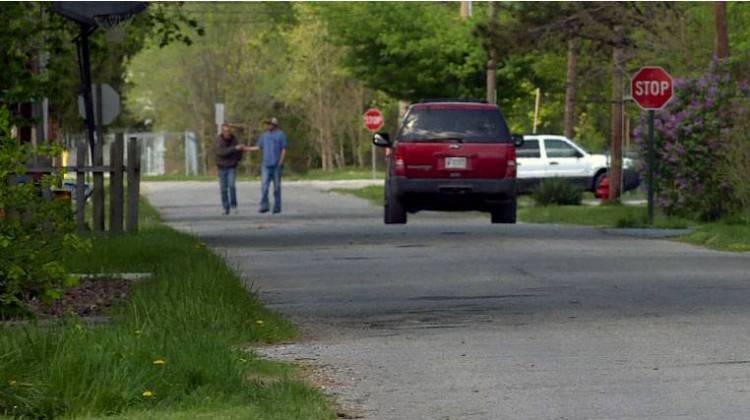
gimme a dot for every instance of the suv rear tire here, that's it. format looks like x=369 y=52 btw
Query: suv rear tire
x=395 y=213
x=504 y=213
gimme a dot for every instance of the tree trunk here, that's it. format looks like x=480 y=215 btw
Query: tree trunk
x=358 y=100
x=465 y=10
x=615 y=166
x=570 y=88
x=721 y=38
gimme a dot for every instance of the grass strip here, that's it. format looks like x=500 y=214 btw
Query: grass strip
x=338 y=174
x=620 y=216
x=173 y=350
x=724 y=235
x=373 y=193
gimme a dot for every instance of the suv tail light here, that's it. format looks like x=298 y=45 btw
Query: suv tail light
x=400 y=168
x=510 y=168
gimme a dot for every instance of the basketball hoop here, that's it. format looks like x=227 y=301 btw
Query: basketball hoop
x=115 y=26
x=106 y=14
x=114 y=16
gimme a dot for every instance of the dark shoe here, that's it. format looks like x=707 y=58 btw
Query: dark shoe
x=263 y=211
x=276 y=211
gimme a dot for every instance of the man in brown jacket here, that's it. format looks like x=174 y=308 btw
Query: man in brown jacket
x=228 y=154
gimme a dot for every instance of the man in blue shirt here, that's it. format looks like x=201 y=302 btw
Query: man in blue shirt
x=272 y=143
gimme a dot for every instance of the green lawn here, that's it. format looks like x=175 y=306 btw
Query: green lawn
x=725 y=236
x=195 y=315
x=603 y=215
x=336 y=174
x=729 y=235
x=311 y=175
x=374 y=193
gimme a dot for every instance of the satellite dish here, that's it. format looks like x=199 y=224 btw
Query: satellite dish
x=96 y=13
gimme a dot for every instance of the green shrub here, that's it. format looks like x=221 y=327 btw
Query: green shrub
x=36 y=234
x=557 y=191
x=735 y=170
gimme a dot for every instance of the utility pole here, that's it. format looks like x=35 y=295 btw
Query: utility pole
x=618 y=71
x=537 y=104
x=571 y=88
x=492 y=62
x=466 y=9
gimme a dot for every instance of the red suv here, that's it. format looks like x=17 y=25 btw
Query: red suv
x=451 y=155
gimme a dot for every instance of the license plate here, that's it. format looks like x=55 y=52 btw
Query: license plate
x=455 y=163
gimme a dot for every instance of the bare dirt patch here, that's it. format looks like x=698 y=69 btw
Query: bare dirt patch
x=91 y=297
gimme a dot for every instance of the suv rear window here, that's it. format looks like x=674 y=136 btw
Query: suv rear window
x=478 y=125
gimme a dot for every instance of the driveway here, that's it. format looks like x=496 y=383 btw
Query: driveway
x=450 y=317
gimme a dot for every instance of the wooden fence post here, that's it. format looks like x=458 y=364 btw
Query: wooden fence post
x=81 y=153
x=134 y=179
x=116 y=188
x=98 y=195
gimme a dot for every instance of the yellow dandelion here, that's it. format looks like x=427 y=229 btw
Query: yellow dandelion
x=160 y=362
x=138 y=332
x=12 y=383
x=148 y=394
x=259 y=322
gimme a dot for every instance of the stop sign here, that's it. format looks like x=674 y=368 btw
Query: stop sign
x=373 y=119
x=651 y=88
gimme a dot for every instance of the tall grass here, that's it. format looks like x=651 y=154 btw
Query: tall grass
x=178 y=339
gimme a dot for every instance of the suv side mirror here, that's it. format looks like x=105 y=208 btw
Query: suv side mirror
x=517 y=139
x=381 y=140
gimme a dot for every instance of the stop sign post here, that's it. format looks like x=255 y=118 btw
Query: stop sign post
x=651 y=88
x=374 y=121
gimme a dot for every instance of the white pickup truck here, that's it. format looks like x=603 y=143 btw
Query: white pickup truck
x=551 y=156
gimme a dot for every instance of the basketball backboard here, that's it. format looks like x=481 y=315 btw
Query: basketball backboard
x=98 y=13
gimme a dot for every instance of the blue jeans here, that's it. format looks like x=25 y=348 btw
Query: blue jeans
x=227 y=177
x=268 y=174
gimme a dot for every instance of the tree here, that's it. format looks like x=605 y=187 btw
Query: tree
x=607 y=25
x=569 y=119
x=409 y=50
x=319 y=91
x=236 y=64
x=530 y=35
x=40 y=59
x=721 y=42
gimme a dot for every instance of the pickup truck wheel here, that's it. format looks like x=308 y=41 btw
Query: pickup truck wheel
x=395 y=213
x=504 y=213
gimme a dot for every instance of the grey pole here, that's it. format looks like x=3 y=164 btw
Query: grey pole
x=651 y=164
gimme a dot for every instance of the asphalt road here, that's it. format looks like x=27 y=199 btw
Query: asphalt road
x=450 y=317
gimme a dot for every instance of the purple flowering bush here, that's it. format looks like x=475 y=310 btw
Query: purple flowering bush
x=692 y=144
